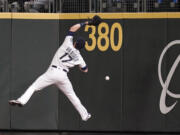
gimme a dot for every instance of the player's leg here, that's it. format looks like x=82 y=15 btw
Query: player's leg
x=41 y=82
x=67 y=89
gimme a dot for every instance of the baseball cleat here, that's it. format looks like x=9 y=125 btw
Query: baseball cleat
x=87 y=117
x=15 y=102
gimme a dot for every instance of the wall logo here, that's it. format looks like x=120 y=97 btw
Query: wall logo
x=165 y=90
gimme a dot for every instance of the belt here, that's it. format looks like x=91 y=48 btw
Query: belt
x=54 y=66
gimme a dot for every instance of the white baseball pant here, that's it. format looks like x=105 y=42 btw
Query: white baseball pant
x=58 y=77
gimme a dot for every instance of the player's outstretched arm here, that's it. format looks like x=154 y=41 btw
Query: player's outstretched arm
x=95 y=21
x=76 y=27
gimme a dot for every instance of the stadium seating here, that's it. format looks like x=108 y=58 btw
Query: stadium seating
x=71 y=6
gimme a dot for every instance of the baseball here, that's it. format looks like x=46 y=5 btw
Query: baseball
x=107 y=78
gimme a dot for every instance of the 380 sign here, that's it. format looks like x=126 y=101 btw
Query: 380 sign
x=106 y=35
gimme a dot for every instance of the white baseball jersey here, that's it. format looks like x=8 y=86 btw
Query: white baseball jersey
x=67 y=56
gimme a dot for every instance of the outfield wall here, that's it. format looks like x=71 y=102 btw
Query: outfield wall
x=127 y=47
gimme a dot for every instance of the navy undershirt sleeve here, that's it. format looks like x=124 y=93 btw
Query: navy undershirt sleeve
x=70 y=33
x=84 y=68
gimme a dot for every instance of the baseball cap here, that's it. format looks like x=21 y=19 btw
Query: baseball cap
x=80 y=43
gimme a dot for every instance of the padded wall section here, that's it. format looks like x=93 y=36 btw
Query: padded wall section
x=144 y=41
x=5 y=72
x=34 y=43
x=170 y=57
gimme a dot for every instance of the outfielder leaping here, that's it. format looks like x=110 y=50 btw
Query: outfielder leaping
x=67 y=56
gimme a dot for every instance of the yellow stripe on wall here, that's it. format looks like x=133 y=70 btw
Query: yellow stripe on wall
x=66 y=16
x=37 y=16
x=122 y=15
x=5 y=15
x=116 y=15
x=173 y=15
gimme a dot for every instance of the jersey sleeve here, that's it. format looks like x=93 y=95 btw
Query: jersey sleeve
x=82 y=63
x=69 y=38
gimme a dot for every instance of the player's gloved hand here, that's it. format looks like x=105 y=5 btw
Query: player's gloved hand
x=96 y=20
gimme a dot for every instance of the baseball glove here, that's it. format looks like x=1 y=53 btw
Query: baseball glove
x=96 y=20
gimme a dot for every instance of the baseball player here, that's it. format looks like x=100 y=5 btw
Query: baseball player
x=67 y=56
